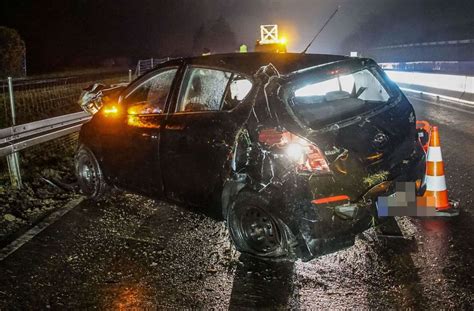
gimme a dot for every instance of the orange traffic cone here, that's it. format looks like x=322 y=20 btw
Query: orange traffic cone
x=436 y=195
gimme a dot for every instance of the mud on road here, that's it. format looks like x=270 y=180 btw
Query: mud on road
x=132 y=252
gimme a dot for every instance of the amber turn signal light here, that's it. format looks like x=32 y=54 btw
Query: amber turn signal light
x=110 y=110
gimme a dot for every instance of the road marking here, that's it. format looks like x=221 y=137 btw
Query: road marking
x=441 y=105
x=30 y=234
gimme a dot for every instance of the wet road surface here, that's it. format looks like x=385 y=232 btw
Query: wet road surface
x=131 y=252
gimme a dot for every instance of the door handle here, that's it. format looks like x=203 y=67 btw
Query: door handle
x=150 y=135
x=220 y=144
x=175 y=127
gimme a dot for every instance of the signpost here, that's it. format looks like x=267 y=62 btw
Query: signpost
x=269 y=34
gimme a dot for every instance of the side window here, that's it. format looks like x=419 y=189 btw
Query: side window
x=238 y=89
x=211 y=90
x=203 y=89
x=150 y=97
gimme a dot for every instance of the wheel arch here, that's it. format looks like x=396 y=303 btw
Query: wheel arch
x=229 y=194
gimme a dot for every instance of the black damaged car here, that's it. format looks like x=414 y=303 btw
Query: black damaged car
x=292 y=149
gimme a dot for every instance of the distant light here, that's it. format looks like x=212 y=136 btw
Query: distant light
x=283 y=40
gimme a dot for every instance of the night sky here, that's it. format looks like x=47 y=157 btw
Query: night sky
x=75 y=33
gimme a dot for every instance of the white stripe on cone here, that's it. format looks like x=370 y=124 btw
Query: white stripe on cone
x=435 y=183
x=434 y=154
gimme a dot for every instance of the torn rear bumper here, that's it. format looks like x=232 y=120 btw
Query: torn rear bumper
x=331 y=226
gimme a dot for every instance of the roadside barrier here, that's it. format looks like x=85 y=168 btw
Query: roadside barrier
x=33 y=111
x=436 y=195
x=450 y=87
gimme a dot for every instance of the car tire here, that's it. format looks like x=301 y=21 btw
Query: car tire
x=89 y=174
x=254 y=229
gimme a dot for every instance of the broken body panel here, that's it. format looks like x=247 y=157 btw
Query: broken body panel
x=207 y=158
x=96 y=95
x=366 y=151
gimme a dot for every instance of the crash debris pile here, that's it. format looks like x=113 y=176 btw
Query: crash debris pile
x=48 y=174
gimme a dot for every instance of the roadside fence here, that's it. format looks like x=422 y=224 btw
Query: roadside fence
x=33 y=111
x=144 y=65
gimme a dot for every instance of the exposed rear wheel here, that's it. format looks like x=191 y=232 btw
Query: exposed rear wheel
x=254 y=229
x=89 y=175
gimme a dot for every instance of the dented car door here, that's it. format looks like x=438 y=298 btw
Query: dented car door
x=133 y=154
x=198 y=138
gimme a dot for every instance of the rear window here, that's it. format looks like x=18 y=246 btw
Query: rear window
x=326 y=96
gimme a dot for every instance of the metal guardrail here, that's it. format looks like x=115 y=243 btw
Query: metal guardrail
x=455 y=88
x=445 y=67
x=419 y=44
x=19 y=137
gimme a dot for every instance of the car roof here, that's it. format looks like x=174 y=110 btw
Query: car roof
x=249 y=63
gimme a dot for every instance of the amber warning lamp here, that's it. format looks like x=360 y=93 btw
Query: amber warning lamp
x=110 y=110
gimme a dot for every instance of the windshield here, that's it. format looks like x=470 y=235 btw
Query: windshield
x=324 y=97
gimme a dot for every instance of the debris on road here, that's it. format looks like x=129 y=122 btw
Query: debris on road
x=47 y=170
x=9 y=217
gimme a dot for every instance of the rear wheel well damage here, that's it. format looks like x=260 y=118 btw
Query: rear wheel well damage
x=309 y=230
x=251 y=183
x=262 y=165
x=255 y=174
x=257 y=228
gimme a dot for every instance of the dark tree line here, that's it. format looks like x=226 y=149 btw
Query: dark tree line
x=216 y=36
x=12 y=53
x=63 y=34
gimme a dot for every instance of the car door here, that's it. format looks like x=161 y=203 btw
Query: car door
x=134 y=138
x=198 y=138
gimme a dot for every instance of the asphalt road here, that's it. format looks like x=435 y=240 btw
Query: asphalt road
x=131 y=252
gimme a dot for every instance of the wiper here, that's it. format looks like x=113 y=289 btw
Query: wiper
x=357 y=118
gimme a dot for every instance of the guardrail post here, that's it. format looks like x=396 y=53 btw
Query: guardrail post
x=130 y=75
x=12 y=100
x=137 y=70
x=13 y=160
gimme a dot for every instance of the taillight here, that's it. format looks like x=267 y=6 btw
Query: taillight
x=306 y=155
